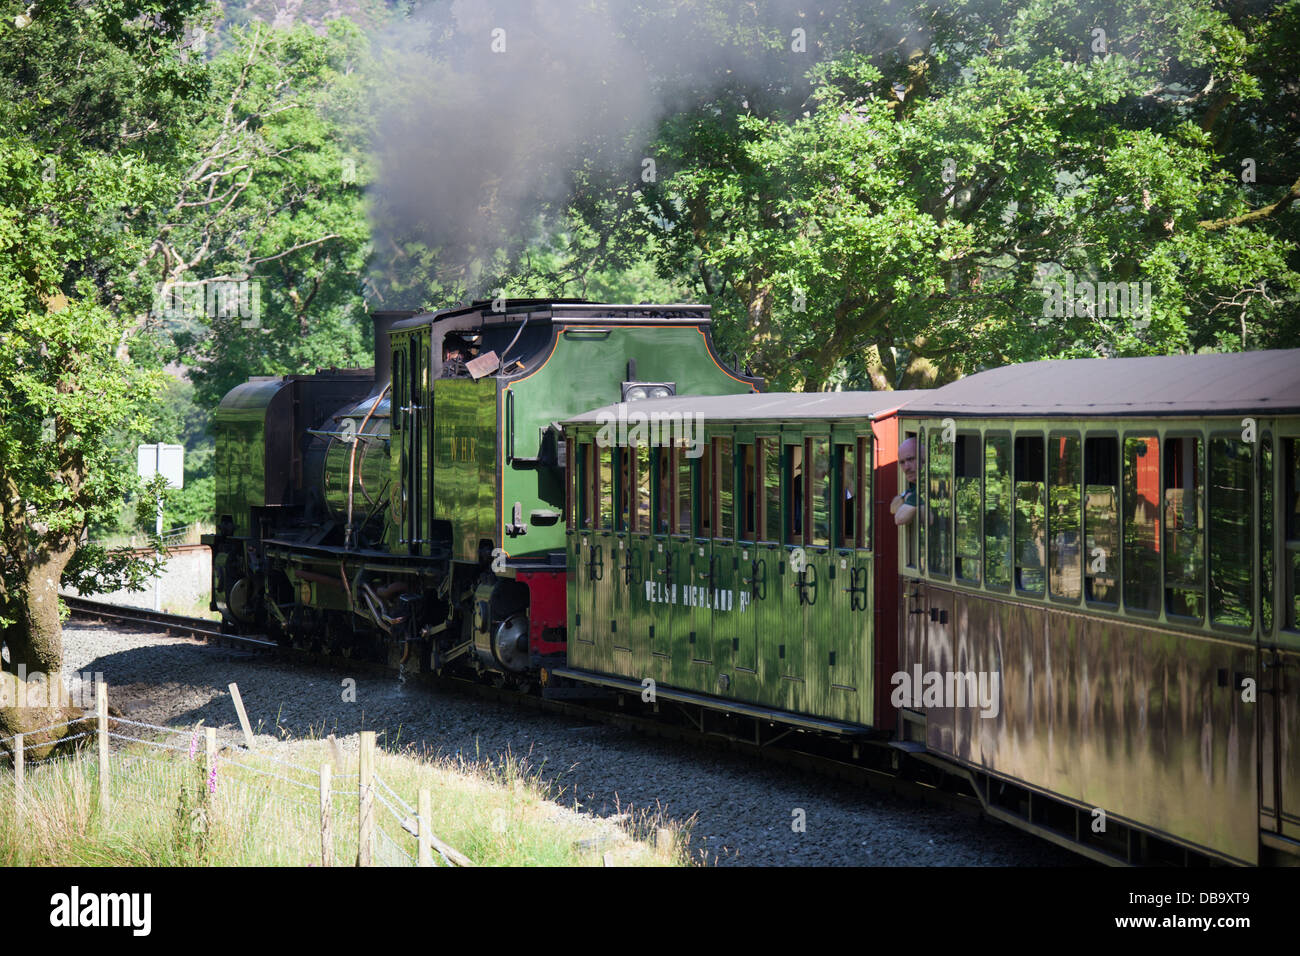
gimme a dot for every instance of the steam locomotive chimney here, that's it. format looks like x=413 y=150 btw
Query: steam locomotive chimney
x=384 y=321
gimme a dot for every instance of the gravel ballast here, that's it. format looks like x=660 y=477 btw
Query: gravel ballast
x=744 y=809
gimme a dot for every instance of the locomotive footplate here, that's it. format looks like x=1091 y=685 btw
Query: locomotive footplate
x=389 y=560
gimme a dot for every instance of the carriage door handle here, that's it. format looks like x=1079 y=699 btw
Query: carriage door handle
x=805 y=582
x=854 y=589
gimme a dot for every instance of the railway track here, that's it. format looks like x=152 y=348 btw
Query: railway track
x=196 y=627
x=906 y=775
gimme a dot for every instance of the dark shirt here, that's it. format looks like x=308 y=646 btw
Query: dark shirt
x=454 y=368
x=909 y=496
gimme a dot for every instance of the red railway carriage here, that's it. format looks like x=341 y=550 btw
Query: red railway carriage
x=1117 y=543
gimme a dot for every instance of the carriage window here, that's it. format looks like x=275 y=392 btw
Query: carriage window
x=683 y=514
x=939 y=498
x=623 y=515
x=1101 y=519
x=848 y=495
x=746 y=499
x=643 y=473
x=770 y=453
x=966 y=531
x=1184 y=540
x=997 y=511
x=1031 y=511
x=1291 y=515
x=585 y=477
x=605 y=482
x=1065 y=518
x=704 y=468
x=1142 y=522
x=794 y=501
x=1266 y=534
x=726 y=474
x=663 y=489
x=1231 y=507
x=863 y=509
x=820 y=451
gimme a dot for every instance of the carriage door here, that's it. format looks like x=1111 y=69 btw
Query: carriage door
x=913 y=601
x=765 y=577
x=740 y=583
x=795 y=578
x=621 y=580
x=660 y=588
x=1280 y=665
x=852 y=612
x=635 y=571
x=703 y=567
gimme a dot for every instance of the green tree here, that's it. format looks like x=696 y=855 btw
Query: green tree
x=271 y=197
x=93 y=96
x=902 y=225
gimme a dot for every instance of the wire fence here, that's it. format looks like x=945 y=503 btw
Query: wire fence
x=222 y=794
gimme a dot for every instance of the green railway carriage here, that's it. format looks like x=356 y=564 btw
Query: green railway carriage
x=1118 y=542
x=723 y=551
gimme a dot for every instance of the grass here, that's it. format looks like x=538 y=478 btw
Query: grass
x=266 y=813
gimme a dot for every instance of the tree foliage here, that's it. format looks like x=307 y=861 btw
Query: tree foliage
x=902 y=223
x=94 y=96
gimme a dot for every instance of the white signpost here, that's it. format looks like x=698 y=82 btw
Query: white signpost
x=168 y=461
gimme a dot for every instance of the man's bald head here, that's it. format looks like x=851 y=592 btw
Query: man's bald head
x=907 y=453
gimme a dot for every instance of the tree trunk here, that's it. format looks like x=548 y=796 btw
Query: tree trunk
x=35 y=643
x=881 y=381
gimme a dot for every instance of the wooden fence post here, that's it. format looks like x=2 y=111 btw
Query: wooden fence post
x=366 y=800
x=326 y=818
x=426 y=827
x=18 y=779
x=101 y=714
x=209 y=760
x=243 y=715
